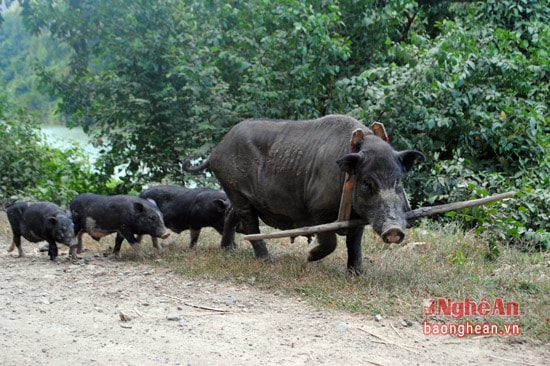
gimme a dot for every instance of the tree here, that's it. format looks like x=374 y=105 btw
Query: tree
x=157 y=79
x=119 y=88
x=4 y=7
x=18 y=52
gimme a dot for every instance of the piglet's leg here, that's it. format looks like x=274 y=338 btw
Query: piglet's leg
x=156 y=243
x=138 y=250
x=16 y=243
x=194 y=237
x=52 y=249
x=78 y=248
x=73 y=250
x=118 y=244
x=131 y=239
x=154 y=240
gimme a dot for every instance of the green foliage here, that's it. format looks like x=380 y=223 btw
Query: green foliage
x=124 y=89
x=524 y=221
x=458 y=258
x=156 y=80
x=450 y=99
x=31 y=170
x=297 y=52
x=18 y=52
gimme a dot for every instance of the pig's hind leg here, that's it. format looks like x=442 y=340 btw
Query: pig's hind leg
x=19 y=249
x=194 y=234
x=16 y=242
x=15 y=218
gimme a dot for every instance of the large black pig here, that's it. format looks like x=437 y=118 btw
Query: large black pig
x=41 y=221
x=291 y=173
x=189 y=209
x=126 y=215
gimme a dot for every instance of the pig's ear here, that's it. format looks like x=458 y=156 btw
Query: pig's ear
x=409 y=157
x=349 y=162
x=52 y=220
x=221 y=205
x=139 y=207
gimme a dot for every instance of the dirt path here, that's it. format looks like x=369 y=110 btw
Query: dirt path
x=59 y=313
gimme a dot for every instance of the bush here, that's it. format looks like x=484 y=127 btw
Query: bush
x=31 y=170
x=523 y=220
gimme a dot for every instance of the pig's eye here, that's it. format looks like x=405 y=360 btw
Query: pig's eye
x=368 y=185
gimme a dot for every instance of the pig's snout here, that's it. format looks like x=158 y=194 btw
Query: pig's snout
x=165 y=235
x=393 y=235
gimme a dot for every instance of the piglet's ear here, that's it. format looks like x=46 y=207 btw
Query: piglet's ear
x=409 y=157
x=220 y=204
x=139 y=207
x=348 y=163
x=52 y=220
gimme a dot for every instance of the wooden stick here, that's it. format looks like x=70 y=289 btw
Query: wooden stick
x=196 y=306
x=372 y=362
x=138 y=312
x=347 y=192
x=347 y=199
x=432 y=210
x=205 y=308
x=419 y=212
x=307 y=230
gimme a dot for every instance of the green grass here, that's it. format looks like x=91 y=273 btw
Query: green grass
x=447 y=263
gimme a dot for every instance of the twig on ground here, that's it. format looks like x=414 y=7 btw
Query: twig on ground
x=138 y=313
x=206 y=308
x=514 y=361
x=395 y=330
x=387 y=341
x=372 y=362
x=197 y=306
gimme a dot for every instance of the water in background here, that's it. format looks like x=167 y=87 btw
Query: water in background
x=63 y=137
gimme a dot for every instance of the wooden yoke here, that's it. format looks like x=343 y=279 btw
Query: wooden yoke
x=344 y=213
x=419 y=212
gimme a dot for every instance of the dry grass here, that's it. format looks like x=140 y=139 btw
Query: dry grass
x=397 y=278
x=435 y=262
